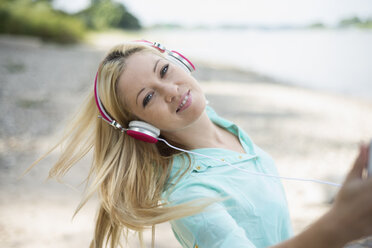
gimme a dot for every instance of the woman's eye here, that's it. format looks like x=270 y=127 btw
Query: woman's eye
x=164 y=70
x=147 y=99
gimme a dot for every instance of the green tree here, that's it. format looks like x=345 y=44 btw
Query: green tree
x=103 y=14
x=350 y=21
x=38 y=18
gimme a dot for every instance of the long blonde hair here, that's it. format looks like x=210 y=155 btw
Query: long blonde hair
x=128 y=175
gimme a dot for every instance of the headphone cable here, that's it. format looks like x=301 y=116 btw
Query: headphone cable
x=255 y=173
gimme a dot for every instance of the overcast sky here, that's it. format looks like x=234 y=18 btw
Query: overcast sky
x=214 y=12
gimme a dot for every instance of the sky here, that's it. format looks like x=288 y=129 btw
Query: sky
x=246 y=12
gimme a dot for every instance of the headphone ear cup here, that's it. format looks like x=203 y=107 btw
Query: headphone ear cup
x=143 y=131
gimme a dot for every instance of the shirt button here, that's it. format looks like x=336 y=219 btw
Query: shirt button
x=198 y=167
x=222 y=159
x=240 y=157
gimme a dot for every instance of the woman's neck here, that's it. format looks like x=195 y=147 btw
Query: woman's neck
x=201 y=134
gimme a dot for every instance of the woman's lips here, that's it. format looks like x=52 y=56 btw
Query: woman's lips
x=185 y=104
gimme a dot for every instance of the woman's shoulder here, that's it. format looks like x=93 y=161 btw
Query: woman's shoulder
x=180 y=169
x=182 y=181
x=189 y=190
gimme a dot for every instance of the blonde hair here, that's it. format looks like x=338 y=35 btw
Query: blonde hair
x=128 y=175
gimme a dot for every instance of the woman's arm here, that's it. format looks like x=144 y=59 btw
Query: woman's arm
x=349 y=219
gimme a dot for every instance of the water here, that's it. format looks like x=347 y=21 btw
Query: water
x=338 y=61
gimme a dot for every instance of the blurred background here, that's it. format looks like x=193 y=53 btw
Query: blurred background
x=296 y=75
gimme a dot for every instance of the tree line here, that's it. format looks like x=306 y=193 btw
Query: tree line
x=39 y=18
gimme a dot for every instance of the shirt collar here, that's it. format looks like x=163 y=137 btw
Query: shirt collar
x=221 y=155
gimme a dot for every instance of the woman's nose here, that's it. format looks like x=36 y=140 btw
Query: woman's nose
x=170 y=92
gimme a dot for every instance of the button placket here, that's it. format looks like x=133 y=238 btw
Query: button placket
x=199 y=168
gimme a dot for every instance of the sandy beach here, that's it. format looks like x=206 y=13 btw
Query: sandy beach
x=310 y=134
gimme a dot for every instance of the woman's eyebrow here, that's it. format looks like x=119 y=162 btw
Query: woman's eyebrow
x=138 y=95
x=156 y=63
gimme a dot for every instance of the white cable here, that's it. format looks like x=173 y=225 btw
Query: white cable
x=254 y=173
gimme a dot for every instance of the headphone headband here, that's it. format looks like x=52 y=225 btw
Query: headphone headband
x=99 y=104
x=172 y=54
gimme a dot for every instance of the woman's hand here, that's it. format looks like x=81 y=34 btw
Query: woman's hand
x=349 y=219
x=352 y=209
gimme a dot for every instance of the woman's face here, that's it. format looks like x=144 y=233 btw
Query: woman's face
x=160 y=92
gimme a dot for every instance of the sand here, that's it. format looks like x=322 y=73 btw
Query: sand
x=310 y=134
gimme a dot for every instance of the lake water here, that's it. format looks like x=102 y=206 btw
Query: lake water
x=334 y=60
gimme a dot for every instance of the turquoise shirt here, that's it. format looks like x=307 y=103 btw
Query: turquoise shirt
x=256 y=212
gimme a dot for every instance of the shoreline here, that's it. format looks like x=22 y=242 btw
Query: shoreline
x=308 y=133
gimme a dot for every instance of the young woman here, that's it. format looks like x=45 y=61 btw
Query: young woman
x=208 y=202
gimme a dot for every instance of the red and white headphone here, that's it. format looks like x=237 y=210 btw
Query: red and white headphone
x=138 y=129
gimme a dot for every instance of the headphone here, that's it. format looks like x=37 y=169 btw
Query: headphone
x=139 y=129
